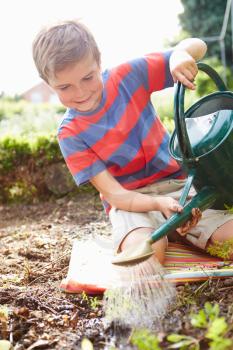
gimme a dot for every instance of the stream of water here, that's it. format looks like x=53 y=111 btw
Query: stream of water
x=141 y=297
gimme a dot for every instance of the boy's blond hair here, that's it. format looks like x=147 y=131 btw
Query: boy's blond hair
x=60 y=45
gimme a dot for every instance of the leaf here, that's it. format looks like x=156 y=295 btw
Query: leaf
x=229 y=209
x=182 y=344
x=212 y=310
x=199 y=320
x=174 y=338
x=86 y=344
x=144 y=340
x=216 y=328
x=5 y=345
x=221 y=344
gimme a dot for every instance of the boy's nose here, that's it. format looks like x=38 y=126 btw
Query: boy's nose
x=79 y=92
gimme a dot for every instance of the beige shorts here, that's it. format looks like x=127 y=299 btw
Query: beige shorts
x=123 y=222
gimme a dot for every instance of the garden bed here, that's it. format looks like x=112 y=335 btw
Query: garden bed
x=36 y=242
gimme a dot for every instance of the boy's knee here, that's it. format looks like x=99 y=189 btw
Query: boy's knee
x=223 y=233
x=159 y=248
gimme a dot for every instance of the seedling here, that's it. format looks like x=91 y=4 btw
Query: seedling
x=228 y=208
x=183 y=342
x=93 y=302
x=215 y=331
x=144 y=340
x=216 y=326
x=223 y=250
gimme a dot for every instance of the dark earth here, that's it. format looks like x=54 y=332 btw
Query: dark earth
x=36 y=242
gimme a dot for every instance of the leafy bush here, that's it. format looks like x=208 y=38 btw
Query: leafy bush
x=12 y=153
x=205 y=84
x=23 y=166
x=21 y=118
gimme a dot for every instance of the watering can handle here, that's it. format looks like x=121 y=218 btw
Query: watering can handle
x=179 y=117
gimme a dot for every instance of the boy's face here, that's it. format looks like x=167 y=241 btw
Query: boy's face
x=80 y=85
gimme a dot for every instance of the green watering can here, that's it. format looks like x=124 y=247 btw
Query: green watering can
x=202 y=144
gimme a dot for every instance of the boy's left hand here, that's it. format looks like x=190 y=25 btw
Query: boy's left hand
x=196 y=216
x=183 y=68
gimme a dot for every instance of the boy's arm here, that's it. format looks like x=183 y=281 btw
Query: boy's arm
x=129 y=200
x=183 y=65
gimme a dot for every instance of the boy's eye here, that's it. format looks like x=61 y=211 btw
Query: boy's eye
x=89 y=77
x=62 y=88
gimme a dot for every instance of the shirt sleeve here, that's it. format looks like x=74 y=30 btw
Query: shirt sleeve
x=82 y=161
x=154 y=71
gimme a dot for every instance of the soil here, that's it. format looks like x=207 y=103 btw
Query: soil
x=36 y=242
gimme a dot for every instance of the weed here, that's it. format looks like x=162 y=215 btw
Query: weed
x=92 y=302
x=228 y=208
x=215 y=328
x=84 y=296
x=183 y=342
x=144 y=340
x=223 y=250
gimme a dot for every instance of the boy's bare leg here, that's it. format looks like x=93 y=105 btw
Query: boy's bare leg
x=140 y=235
x=223 y=233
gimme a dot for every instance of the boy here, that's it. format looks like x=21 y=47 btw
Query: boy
x=112 y=136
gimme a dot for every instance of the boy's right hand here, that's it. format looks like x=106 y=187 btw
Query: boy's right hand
x=168 y=206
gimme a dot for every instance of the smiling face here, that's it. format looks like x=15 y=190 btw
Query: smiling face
x=79 y=85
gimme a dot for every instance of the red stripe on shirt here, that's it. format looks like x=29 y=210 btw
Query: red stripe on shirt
x=171 y=168
x=150 y=146
x=78 y=161
x=116 y=136
x=156 y=72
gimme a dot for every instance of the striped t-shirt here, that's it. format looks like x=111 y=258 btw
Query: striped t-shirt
x=124 y=135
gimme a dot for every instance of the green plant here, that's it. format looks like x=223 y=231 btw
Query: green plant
x=21 y=191
x=215 y=331
x=93 y=302
x=228 y=208
x=183 y=342
x=84 y=297
x=144 y=340
x=223 y=250
x=216 y=327
x=13 y=152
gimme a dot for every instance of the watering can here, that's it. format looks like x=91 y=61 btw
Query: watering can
x=202 y=143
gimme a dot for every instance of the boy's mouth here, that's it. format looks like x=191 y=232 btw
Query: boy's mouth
x=82 y=101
